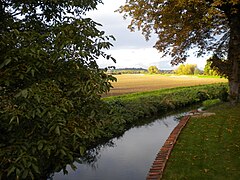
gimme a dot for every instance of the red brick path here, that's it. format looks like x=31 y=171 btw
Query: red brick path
x=156 y=171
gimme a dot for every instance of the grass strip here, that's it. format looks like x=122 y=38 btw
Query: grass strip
x=208 y=147
x=162 y=92
x=129 y=110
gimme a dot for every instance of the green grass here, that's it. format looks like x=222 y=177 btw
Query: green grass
x=170 y=91
x=199 y=76
x=211 y=102
x=208 y=76
x=127 y=110
x=208 y=148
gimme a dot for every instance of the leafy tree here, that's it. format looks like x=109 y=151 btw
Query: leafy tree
x=206 y=25
x=197 y=71
x=180 y=69
x=153 y=70
x=50 y=84
x=208 y=70
x=187 y=69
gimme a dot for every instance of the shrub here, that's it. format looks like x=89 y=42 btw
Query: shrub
x=211 y=102
x=133 y=107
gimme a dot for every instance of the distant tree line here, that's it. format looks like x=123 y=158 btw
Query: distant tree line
x=150 y=70
x=127 y=71
x=183 y=69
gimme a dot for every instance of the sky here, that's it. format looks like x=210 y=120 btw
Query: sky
x=130 y=49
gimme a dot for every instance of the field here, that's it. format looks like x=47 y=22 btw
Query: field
x=130 y=83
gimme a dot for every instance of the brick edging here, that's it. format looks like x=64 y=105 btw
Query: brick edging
x=156 y=171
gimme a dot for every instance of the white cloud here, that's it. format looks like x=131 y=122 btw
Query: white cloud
x=130 y=48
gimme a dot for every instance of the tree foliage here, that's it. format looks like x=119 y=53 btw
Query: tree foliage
x=208 y=26
x=50 y=84
x=153 y=70
x=187 y=69
x=208 y=70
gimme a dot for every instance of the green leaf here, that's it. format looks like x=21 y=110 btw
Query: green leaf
x=6 y=62
x=12 y=119
x=12 y=169
x=65 y=171
x=33 y=113
x=40 y=146
x=18 y=172
x=21 y=76
x=17 y=120
x=31 y=175
x=25 y=173
x=57 y=130
x=82 y=150
x=37 y=98
x=16 y=32
x=65 y=110
x=24 y=93
x=49 y=151
x=73 y=167
x=32 y=72
x=70 y=157
x=63 y=152
x=36 y=169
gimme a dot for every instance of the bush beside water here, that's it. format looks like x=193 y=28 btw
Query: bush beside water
x=126 y=110
x=120 y=113
x=210 y=103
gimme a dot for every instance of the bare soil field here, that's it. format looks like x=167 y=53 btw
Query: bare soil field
x=131 y=83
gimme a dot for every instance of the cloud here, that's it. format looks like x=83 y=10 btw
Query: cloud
x=137 y=58
x=114 y=24
x=130 y=48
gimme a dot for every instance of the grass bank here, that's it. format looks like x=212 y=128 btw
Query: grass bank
x=208 y=148
x=127 y=110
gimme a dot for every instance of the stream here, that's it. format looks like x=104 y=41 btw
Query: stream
x=129 y=157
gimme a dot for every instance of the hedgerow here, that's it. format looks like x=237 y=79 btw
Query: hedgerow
x=126 y=110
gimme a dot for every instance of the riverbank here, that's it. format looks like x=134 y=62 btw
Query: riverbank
x=130 y=108
x=208 y=147
x=117 y=114
x=123 y=112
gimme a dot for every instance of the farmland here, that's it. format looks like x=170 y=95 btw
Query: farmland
x=131 y=83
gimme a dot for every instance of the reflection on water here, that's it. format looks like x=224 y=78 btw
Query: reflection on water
x=128 y=157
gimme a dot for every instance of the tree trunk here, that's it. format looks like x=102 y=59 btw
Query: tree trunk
x=234 y=57
x=234 y=91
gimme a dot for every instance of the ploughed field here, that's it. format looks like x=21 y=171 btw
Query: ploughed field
x=131 y=83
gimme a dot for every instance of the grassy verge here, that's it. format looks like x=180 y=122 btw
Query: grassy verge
x=199 y=76
x=208 y=76
x=127 y=110
x=208 y=148
x=190 y=90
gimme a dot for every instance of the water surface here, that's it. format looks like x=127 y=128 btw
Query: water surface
x=131 y=156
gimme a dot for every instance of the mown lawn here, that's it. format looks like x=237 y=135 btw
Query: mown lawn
x=208 y=148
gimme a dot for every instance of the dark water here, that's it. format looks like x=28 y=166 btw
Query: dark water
x=131 y=156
